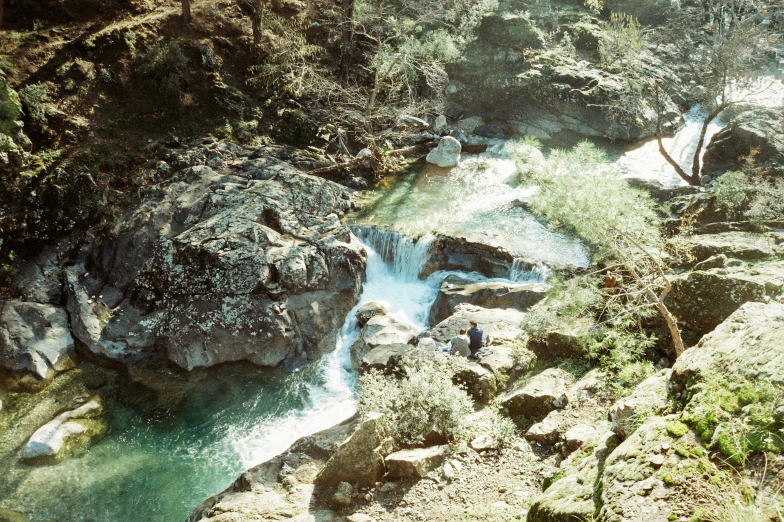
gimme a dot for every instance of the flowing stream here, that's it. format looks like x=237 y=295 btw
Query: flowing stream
x=160 y=467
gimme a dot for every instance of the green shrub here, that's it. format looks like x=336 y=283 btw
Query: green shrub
x=422 y=399
x=35 y=99
x=730 y=192
x=162 y=67
x=567 y=301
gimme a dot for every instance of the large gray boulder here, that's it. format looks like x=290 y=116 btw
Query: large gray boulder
x=358 y=460
x=456 y=290
x=446 y=154
x=761 y=130
x=380 y=331
x=501 y=325
x=284 y=484
x=35 y=339
x=540 y=395
x=248 y=263
x=738 y=245
x=415 y=462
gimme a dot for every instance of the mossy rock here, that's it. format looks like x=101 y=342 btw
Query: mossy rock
x=10 y=108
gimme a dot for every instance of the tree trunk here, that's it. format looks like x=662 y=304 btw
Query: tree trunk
x=186 y=11
x=682 y=173
x=672 y=324
x=695 y=165
x=347 y=36
x=1 y=13
x=256 y=24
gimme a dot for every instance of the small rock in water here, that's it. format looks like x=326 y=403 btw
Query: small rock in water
x=446 y=154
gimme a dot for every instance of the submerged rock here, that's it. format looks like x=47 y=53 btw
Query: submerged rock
x=446 y=154
x=66 y=433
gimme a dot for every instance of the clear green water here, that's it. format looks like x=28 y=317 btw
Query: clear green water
x=159 y=467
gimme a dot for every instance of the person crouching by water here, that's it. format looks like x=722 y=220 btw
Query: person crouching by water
x=460 y=344
x=475 y=338
x=427 y=343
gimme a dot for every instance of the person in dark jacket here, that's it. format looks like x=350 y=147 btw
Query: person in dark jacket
x=475 y=338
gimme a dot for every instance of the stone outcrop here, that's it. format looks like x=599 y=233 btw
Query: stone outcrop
x=384 y=358
x=455 y=290
x=737 y=245
x=449 y=252
x=662 y=461
x=65 y=434
x=35 y=339
x=358 y=460
x=540 y=395
x=243 y=263
x=416 y=462
x=572 y=498
x=284 y=485
x=647 y=399
x=703 y=299
x=497 y=366
x=500 y=325
x=446 y=154
x=757 y=129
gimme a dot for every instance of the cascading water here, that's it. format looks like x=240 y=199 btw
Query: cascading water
x=646 y=161
x=159 y=468
x=523 y=271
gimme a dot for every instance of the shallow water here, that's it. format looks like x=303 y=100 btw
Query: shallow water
x=480 y=199
x=158 y=468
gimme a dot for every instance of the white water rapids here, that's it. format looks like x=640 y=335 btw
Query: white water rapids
x=646 y=162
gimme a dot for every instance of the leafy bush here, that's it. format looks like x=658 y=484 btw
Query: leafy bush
x=162 y=66
x=424 y=398
x=581 y=192
x=730 y=192
x=566 y=302
x=35 y=99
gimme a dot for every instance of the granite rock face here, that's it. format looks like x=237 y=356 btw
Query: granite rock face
x=243 y=263
x=35 y=339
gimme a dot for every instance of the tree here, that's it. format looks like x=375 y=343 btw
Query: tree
x=725 y=57
x=580 y=193
x=347 y=36
x=2 y=10
x=186 y=11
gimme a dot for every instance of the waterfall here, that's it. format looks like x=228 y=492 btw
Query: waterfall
x=392 y=278
x=405 y=256
x=524 y=271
